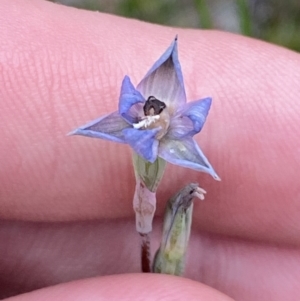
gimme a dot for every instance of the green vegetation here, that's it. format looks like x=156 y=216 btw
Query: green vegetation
x=274 y=21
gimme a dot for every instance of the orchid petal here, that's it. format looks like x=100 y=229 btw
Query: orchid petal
x=180 y=127
x=190 y=120
x=186 y=153
x=129 y=97
x=109 y=127
x=164 y=80
x=170 y=137
x=197 y=111
x=143 y=142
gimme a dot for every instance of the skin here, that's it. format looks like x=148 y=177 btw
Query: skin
x=61 y=67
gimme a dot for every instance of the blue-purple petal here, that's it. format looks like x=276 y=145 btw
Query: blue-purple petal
x=190 y=120
x=164 y=80
x=180 y=127
x=128 y=100
x=109 y=127
x=143 y=142
x=185 y=153
x=197 y=111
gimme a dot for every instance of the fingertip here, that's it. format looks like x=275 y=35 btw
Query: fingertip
x=129 y=287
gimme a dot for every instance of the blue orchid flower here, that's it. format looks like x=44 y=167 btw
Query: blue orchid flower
x=155 y=119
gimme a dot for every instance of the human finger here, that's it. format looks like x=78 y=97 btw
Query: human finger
x=62 y=67
x=128 y=287
x=38 y=255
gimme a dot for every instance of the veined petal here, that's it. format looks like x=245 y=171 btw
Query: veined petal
x=180 y=127
x=185 y=153
x=164 y=80
x=109 y=127
x=190 y=120
x=129 y=97
x=143 y=142
x=197 y=111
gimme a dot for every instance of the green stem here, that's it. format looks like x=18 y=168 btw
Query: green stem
x=204 y=14
x=245 y=17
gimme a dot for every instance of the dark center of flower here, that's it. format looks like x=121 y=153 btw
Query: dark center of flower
x=153 y=106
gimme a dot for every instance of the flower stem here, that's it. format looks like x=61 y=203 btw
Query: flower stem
x=148 y=176
x=145 y=253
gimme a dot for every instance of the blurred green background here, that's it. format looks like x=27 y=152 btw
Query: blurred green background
x=276 y=21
